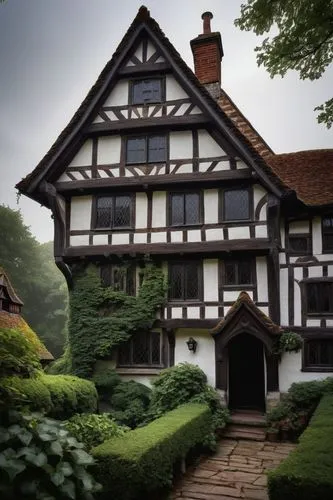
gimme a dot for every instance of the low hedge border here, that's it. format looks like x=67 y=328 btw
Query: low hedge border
x=142 y=460
x=307 y=473
x=59 y=396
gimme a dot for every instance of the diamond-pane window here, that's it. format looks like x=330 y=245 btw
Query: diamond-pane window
x=299 y=245
x=185 y=209
x=143 y=349
x=238 y=272
x=236 y=204
x=146 y=149
x=319 y=297
x=145 y=91
x=184 y=281
x=113 y=211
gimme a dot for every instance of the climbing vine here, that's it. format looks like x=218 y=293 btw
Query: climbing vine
x=102 y=318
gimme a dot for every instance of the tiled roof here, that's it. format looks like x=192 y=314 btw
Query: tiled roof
x=244 y=300
x=308 y=173
x=15 y=321
x=244 y=126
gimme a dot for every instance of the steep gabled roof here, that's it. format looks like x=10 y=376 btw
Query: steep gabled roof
x=244 y=301
x=89 y=106
x=308 y=173
x=6 y=284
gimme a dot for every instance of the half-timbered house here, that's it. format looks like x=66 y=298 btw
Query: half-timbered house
x=158 y=160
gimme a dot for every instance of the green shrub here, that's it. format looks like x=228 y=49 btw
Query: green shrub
x=306 y=394
x=106 y=381
x=220 y=414
x=130 y=401
x=93 y=429
x=142 y=460
x=31 y=391
x=307 y=473
x=39 y=460
x=18 y=356
x=70 y=395
x=175 y=386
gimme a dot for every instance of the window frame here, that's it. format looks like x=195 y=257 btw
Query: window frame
x=305 y=298
x=170 y=196
x=306 y=366
x=222 y=204
x=306 y=236
x=130 y=345
x=94 y=217
x=183 y=300
x=251 y=261
x=325 y=247
x=146 y=137
x=129 y=280
x=143 y=103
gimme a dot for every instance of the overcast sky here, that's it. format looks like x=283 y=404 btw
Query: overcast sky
x=52 y=51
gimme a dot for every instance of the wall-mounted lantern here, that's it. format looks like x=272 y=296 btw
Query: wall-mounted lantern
x=192 y=344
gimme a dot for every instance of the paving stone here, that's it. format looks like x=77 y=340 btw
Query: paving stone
x=212 y=490
x=204 y=473
x=250 y=494
x=261 y=481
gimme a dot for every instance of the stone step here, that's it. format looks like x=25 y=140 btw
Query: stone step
x=254 y=419
x=249 y=432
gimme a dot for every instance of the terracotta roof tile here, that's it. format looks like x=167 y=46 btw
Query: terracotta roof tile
x=308 y=173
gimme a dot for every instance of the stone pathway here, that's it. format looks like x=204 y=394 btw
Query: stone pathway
x=237 y=470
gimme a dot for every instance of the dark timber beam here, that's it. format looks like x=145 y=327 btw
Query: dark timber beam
x=150 y=180
x=144 y=69
x=146 y=123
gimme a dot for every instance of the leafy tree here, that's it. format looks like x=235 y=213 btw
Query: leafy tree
x=304 y=39
x=35 y=277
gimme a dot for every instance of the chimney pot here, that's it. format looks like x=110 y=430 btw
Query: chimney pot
x=206 y=17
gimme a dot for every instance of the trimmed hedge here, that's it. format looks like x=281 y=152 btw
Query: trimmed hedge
x=59 y=396
x=142 y=460
x=307 y=474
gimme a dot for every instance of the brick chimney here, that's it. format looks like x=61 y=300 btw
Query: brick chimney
x=207 y=54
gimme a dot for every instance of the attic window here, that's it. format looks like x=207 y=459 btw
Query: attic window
x=236 y=204
x=146 y=91
x=146 y=149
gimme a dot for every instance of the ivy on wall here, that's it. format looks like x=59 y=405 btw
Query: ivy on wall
x=101 y=318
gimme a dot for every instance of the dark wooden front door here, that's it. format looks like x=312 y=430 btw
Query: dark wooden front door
x=246 y=373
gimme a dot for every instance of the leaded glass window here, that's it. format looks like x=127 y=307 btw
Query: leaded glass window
x=146 y=149
x=143 y=349
x=319 y=297
x=299 y=245
x=238 y=272
x=147 y=90
x=120 y=278
x=327 y=231
x=113 y=211
x=184 y=280
x=185 y=209
x=318 y=354
x=236 y=204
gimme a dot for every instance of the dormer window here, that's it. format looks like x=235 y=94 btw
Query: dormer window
x=146 y=149
x=146 y=90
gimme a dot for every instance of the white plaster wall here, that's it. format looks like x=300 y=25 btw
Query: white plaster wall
x=290 y=371
x=261 y=232
x=211 y=198
x=315 y=271
x=300 y=226
x=80 y=216
x=210 y=276
x=151 y=49
x=208 y=147
x=141 y=210
x=119 y=95
x=173 y=89
x=108 y=150
x=258 y=193
x=84 y=156
x=232 y=295
x=283 y=236
x=159 y=209
x=317 y=246
x=262 y=281
x=204 y=356
x=181 y=145
x=79 y=240
x=238 y=232
x=284 y=296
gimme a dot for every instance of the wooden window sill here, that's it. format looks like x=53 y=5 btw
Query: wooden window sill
x=139 y=371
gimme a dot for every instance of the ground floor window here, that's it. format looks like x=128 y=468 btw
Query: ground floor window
x=318 y=355
x=143 y=349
